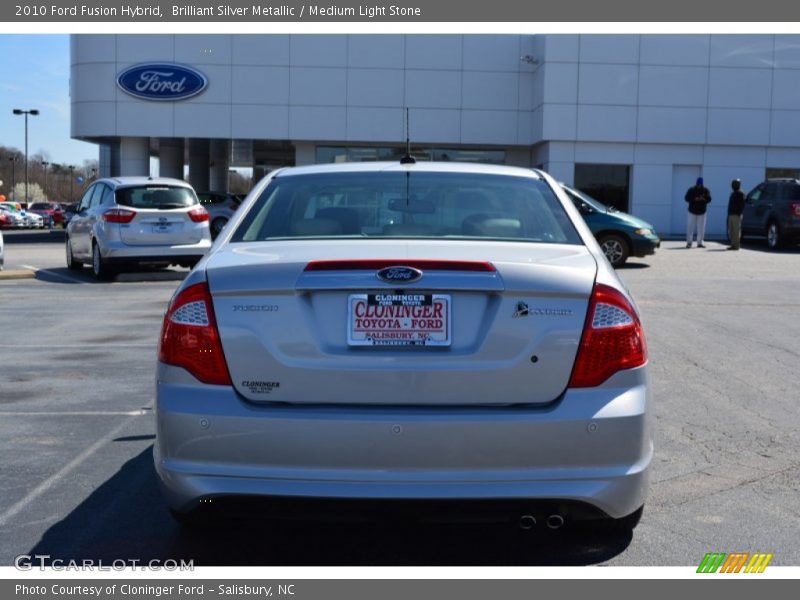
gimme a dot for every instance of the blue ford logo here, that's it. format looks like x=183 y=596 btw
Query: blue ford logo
x=399 y=274
x=162 y=81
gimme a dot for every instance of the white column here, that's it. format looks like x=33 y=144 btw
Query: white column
x=259 y=171
x=134 y=156
x=220 y=154
x=304 y=153
x=198 y=164
x=104 y=161
x=170 y=157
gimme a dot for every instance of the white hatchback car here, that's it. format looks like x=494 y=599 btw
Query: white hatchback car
x=406 y=331
x=125 y=221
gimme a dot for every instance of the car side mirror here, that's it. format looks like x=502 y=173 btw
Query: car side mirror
x=585 y=209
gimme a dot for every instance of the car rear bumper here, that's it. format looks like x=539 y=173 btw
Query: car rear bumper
x=645 y=246
x=593 y=446
x=118 y=252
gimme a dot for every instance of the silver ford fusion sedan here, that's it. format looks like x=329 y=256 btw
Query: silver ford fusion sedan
x=425 y=331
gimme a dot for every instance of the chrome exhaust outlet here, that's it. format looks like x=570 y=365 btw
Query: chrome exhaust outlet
x=555 y=521
x=527 y=522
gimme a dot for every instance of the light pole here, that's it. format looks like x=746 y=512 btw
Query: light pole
x=44 y=164
x=71 y=182
x=13 y=160
x=34 y=112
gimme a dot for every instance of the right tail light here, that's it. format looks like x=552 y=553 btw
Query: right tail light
x=612 y=339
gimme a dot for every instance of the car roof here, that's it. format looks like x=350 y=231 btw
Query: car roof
x=131 y=181
x=418 y=167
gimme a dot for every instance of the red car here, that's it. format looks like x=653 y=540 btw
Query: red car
x=48 y=210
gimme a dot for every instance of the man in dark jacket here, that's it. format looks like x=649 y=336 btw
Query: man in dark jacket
x=698 y=198
x=735 y=210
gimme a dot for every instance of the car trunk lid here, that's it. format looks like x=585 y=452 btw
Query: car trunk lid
x=291 y=332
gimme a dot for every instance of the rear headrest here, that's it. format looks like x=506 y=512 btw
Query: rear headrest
x=346 y=217
x=492 y=227
x=316 y=227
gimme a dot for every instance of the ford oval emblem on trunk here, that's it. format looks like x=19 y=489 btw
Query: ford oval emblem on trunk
x=399 y=274
x=162 y=81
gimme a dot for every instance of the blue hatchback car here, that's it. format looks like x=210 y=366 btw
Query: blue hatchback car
x=619 y=234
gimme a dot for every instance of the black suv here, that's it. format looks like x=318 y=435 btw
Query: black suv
x=772 y=209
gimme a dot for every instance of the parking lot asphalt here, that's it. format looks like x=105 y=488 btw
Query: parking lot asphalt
x=76 y=428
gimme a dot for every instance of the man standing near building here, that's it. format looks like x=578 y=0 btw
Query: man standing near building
x=735 y=209
x=698 y=198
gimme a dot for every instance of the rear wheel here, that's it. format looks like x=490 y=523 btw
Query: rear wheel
x=626 y=524
x=615 y=248
x=217 y=225
x=100 y=268
x=774 y=237
x=72 y=264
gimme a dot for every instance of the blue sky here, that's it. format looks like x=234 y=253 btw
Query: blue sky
x=34 y=73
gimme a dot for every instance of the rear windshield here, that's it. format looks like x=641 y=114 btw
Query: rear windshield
x=407 y=205
x=41 y=206
x=161 y=197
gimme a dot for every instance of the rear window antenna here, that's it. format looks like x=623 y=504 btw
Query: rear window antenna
x=407 y=159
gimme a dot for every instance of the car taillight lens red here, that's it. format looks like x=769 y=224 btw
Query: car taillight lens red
x=119 y=215
x=796 y=210
x=612 y=339
x=198 y=214
x=190 y=339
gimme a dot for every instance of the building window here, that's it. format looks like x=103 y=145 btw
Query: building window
x=336 y=154
x=783 y=173
x=610 y=184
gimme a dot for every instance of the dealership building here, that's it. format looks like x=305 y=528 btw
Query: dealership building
x=631 y=119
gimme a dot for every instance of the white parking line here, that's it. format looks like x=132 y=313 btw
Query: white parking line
x=77 y=413
x=71 y=346
x=58 y=275
x=54 y=479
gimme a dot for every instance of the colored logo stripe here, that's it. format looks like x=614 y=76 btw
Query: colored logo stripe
x=734 y=562
x=758 y=563
x=711 y=562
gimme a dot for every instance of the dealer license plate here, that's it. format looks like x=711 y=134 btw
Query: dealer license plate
x=398 y=319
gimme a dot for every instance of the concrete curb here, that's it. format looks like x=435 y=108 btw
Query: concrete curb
x=17 y=274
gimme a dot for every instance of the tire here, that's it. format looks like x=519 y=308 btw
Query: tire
x=100 y=268
x=775 y=239
x=615 y=248
x=72 y=264
x=197 y=518
x=625 y=524
x=217 y=225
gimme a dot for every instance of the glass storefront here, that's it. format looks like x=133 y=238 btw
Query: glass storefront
x=610 y=184
x=337 y=154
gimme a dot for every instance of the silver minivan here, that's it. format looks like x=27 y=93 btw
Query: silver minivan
x=130 y=221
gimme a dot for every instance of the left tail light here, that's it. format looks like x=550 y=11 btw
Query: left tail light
x=190 y=338
x=198 y=214
x=612 y=339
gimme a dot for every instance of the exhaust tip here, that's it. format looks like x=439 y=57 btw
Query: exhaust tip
x=555 y=521
x=527 y=522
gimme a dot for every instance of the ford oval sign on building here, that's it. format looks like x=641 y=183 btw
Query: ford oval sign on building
x=162 y=81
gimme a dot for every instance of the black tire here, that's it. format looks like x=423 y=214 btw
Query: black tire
x=200 y=517
x=217 y=225
x=615 y=247
x=626 y=524
x=72 y=264
x=100 y=268
x=775 y=240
